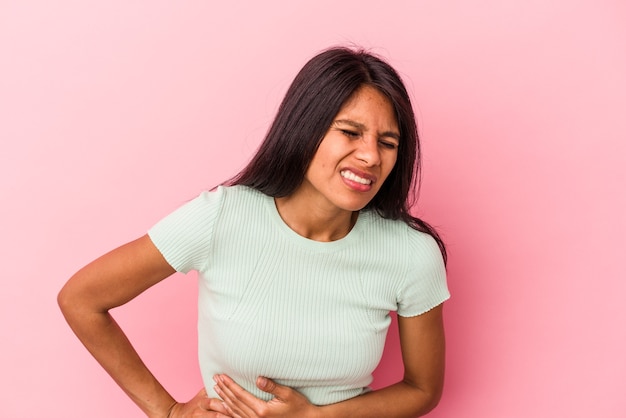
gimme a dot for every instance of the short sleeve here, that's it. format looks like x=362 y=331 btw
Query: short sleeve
x=184 y=237
x=425 y=286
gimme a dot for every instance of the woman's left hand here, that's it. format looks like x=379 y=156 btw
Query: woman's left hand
x=287 y=402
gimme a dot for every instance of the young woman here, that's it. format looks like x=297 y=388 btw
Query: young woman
x=301 y=257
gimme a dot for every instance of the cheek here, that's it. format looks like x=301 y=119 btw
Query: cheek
x=327 y=156
x=318 y=167
x=390 y=162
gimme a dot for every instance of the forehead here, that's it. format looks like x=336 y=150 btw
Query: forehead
x=368 y=104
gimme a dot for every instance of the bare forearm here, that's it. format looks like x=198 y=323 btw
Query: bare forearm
x=107 y=282
x=105 y=340
x=400 y=400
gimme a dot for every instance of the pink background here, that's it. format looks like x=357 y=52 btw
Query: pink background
x=113 y=113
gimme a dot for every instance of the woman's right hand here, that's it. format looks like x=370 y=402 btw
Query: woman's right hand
x=201 y=406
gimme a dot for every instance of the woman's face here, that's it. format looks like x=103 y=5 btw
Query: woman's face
x=357 y=153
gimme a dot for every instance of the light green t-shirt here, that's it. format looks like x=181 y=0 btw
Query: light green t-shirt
x=311 y=315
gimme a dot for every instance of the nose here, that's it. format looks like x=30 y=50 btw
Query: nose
x=368 y=151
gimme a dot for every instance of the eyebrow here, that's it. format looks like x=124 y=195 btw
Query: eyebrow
x=358 y=125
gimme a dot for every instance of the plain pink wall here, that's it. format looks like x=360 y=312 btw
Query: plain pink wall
x=114 y=113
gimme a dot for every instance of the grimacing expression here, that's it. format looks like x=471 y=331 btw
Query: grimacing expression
x=357 y=153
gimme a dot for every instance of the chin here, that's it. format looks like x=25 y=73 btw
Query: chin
x=351 y=201
x=353 y=206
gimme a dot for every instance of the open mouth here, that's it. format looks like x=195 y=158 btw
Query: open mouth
x=353 y=177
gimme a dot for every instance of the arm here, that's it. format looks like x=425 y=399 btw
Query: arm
x=108 y=282
x=423 y=353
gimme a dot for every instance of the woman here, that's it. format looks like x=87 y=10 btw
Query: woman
x=301 y=257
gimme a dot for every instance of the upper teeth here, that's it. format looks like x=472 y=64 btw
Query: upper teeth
x=351 y=176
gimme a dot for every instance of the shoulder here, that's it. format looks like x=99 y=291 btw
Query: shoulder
x=241 y=200
x=224 y=195
x=413 y=248
x=397 y=232
x=239 y=192
x=408 y=261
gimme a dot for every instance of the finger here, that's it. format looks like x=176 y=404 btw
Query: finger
x=269 y=386
x=234 y=407
x=214 y=405
x=239 y=401
x=235 y=391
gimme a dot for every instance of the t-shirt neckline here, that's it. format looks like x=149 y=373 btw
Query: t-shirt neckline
x=308 y=243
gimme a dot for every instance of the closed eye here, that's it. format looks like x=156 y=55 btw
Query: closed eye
x=349 y=133
x=388 y=144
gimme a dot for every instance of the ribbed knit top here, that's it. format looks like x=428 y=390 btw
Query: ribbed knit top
x=311 y=315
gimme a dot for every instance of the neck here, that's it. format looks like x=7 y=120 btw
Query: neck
x=314 y=222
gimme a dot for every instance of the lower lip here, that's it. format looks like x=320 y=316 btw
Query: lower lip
x=359 y=187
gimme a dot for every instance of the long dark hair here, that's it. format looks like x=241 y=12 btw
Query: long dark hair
x=306 y=113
